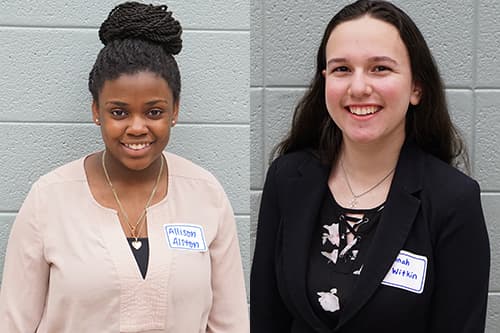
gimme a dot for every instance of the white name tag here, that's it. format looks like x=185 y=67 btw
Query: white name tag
x=407 y=272
x=185 y=237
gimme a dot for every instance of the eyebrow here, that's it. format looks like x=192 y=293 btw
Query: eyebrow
x=123 y=104
x=154 y=101
x=372 y=59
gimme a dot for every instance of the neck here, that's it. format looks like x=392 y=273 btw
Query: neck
x=119 y=174
x=368 y=161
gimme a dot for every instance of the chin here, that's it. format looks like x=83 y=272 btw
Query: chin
x=364 y=138
x=136 y=165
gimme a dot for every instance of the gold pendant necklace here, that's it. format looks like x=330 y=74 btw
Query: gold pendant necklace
x=134 y=231
x=354 y=201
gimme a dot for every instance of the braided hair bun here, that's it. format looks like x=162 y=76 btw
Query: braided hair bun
x=134 y=20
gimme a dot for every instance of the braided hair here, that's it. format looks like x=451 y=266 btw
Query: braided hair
x=138 y=37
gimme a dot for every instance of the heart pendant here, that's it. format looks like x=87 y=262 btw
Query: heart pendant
x=136 y=244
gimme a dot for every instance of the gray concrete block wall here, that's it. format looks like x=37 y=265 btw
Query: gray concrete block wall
x=48 y=49
x=465 y=39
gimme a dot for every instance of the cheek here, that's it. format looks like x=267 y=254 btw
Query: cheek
x=162 y=130
x=335 y=91
x=389 y=88
x=111 y=128
x=396 y=93
x=335 y=96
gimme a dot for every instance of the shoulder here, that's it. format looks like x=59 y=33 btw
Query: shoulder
x=182 y=169
x=446 y=191
x=290 y=163
x=67 y=173
x=446 y=179
x=191 y=181
x=48 y=190
x=418 y=170
x=451 y=203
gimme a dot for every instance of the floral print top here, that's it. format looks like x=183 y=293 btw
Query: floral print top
x=339 y=245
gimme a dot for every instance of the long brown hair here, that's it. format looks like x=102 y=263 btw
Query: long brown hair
x=428 y=123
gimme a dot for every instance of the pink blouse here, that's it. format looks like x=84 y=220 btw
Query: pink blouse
x=69 y=268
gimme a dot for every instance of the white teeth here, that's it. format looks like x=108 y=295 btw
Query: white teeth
x=137 y=146
x=363 y=110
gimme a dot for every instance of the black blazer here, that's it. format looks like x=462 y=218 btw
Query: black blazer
x=432 y=210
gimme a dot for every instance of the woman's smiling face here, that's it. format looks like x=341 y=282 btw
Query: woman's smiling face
x=368 y=81
x=136 y=112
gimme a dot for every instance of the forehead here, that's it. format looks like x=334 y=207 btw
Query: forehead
x=136 y=84
x=366 y=37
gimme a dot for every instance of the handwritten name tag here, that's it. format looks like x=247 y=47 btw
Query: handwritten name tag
x=185 y=237
x=407 y=272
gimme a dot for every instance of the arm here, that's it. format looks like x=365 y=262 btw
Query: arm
x=462 y=268
x=229 y=312
x=268 y=314
x=25 y=274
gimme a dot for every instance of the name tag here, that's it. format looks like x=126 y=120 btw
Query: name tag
x=185 y=237
x=407 y=272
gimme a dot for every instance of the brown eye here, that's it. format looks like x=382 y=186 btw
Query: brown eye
x=155 y=113
x=381 y=68
x=118 y=113
x=340 y=69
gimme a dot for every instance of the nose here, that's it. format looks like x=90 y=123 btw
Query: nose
x=359 y=86
x=137 y=126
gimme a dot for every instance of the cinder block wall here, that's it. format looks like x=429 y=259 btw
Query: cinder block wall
x=465 y=39
x=47 y=50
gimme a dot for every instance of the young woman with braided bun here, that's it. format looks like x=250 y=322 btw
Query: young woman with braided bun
x=130 y=239
x=365 y=224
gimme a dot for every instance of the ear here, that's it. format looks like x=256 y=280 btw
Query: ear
x=96 y=118
x=175 y=113
x=416 y=94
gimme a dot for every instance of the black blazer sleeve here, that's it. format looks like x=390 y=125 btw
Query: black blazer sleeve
x=462 y=264
x=268 y=314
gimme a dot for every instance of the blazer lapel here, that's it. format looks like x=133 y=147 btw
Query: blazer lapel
x=396 y=221
x=304 y=195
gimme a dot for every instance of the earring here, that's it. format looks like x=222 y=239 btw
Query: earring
x=173 y=122
x=97 y=121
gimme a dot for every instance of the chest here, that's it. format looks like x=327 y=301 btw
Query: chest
x=375 y=297
x=92 y=263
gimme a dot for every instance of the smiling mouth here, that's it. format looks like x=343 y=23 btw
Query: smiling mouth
x=363 y=110
x=137 y=146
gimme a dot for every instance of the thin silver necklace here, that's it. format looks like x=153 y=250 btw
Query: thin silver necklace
x=354 y=201
x=135 y=230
